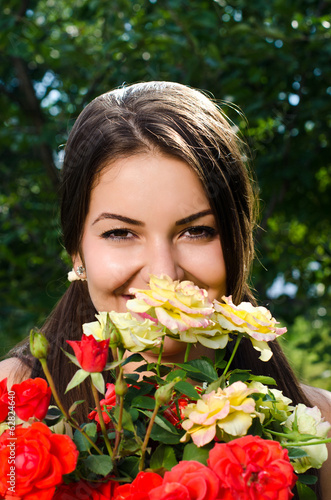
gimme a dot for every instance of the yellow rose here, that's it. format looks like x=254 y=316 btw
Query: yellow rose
x=226 y=413
x=213 y=336
x=177 y=305
x=256 y=323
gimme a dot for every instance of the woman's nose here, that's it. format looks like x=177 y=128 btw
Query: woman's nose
x=161 y=258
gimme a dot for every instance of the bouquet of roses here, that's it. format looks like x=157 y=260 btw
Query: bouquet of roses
x=195 y=430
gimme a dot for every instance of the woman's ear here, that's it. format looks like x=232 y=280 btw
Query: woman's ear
x=78 y=268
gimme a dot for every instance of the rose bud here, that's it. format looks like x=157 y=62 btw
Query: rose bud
x=39 y=345
x=91 y=354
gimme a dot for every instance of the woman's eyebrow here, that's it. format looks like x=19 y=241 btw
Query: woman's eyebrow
x=193 y=217
x=122 y=218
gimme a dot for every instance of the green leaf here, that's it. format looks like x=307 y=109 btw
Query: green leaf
x=129 y=466
x=143 y=402
x=241 y=376
x=304 y=492
x=219 y=358
x=187 y=367
x=307 y=479
x=98 y=382
x=256 y=427
x=199 y=369
x=175 y=373
x=99 y=464
x=162 y=422
x=160 y=435
x=294 y=453
x=77 y=379
x=114 y=364
x=192 y=452
x=163 y=457
x=136 y=358
x=71 y=357
x=263 y=379
x=126 y=419
x=81 y=442
x=187 y=389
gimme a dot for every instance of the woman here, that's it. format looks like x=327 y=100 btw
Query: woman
x=154 y=182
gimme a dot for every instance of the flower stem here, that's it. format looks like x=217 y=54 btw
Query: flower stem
x=306 y=443
x=119 y=430
x=101 y=420
x=120 y=402
x=148 y=433
x=239 y=337
x=160 y=357
x=187 y=352
x=71 y=420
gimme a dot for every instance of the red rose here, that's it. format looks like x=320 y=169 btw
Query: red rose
x=139 y=488
x=85 y=490
x=3 y=400
x=252 y=468
x=109 y=402
x=91 y=354
x=32 y=397
x=189 y=480
x=37 y=459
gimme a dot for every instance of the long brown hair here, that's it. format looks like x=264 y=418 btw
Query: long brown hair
x=175 y=120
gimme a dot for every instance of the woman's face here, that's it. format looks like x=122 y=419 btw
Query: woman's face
x=148 y=215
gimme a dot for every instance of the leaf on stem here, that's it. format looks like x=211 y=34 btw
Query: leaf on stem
x=163 y=457
x=77 y=379
x=98 y=381
x=99 y=464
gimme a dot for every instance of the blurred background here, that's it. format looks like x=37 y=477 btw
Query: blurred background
x=272 y=59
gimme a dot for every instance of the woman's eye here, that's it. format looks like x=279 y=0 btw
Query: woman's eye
x=117 y=234
x=199 y=232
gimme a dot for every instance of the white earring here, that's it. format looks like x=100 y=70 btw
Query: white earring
x=77 y=275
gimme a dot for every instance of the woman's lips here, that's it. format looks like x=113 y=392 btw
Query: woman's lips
x=127 y=296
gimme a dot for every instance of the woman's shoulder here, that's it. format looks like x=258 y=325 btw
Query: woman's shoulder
x=14 y=369
x=320 y=398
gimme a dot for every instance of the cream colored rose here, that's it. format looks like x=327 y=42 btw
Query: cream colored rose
x=309 y=421
x=97 y=328
x=226 y=413
x=256 y=323
x=135 y=335
x=177 y=305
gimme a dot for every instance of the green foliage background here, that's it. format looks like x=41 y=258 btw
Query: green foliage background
x=270 y=58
